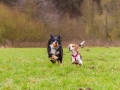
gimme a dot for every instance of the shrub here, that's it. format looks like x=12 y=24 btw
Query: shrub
x=16 y=26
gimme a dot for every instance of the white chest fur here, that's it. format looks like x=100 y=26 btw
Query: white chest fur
x=53 y=50
x=76 y=58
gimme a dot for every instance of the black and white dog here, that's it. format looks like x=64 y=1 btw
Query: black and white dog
x=55 y=50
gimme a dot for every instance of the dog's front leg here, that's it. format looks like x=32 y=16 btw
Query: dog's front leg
x=79 y=60
x=50 y=52
x=55 y=57
x=57 y=53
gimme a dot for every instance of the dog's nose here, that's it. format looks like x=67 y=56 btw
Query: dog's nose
x=55 y=42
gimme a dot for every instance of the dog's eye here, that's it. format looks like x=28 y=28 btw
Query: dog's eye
x=72 y=46
x=57 y=40
x=53 y=40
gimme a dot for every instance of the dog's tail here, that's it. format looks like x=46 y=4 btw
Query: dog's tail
x=81 y=43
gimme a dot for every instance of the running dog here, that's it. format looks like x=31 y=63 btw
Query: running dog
x=76 y=57
x=54 y=49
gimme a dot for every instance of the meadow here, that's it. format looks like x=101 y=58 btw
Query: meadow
x=30 y=69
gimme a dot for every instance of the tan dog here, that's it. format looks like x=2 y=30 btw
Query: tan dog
x=76 y=57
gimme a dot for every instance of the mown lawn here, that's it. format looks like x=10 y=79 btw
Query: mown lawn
x=30 y=69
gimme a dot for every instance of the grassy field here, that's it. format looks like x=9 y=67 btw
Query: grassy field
x=30 y=69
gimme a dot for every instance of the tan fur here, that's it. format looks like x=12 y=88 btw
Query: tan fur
x=76 y=47
x=54 y=57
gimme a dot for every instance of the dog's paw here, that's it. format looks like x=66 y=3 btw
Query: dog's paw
x=80 y=64
x=53 y=61
x=75 y=62
x=51 y=58
x=54 y=57
x=61 y=64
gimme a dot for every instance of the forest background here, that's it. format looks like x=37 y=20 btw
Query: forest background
x=29 y=23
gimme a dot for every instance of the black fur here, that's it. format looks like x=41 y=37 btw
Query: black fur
x=60 y=49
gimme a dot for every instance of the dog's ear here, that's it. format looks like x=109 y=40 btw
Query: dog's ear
x=60 y=38
x=51 y=36
x=77 y=47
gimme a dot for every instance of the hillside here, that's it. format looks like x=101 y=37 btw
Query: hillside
x=96 y=21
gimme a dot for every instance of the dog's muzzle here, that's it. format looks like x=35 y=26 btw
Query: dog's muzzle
x=69 y=48
x=55 y=44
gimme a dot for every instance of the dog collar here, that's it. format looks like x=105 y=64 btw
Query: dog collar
x=75 y=56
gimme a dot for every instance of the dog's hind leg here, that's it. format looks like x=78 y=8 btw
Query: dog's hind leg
x=59 y=61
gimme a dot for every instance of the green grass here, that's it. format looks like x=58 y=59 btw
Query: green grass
x=30 y=69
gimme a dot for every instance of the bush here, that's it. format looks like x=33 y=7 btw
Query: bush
x=16 y=26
